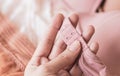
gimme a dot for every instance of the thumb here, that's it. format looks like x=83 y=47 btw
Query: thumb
x=66 y=58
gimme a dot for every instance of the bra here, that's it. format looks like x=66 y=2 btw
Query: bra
x=89 y=63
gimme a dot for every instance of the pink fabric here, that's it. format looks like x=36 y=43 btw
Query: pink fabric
x=82 y=6
x=16 y=46
x=89 y=62
x=107 y=34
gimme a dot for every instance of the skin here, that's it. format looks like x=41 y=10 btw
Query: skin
x=111 y=5
x=53 y=58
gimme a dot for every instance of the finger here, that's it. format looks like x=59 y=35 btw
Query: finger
x=76 y=71
x=89 y=60
x=59 y=45
x=74 y=18
x=94 y=47
x=66 y=58
x=58 y=48
x=63 y=73
x=47 y=41
x=87 y=34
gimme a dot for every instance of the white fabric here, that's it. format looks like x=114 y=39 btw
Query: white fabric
x=33 y=16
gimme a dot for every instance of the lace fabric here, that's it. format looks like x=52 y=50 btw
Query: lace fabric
x=15 y=49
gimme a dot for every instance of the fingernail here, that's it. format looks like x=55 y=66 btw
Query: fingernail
x=74 y=46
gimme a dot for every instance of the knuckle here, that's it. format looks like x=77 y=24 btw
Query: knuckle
x=66 y=57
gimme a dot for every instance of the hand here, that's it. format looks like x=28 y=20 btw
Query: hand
x=53 y=62
x=59 y=46
x=41 y=65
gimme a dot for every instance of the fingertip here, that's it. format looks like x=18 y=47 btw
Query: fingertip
x=58 y=16
x=89 y=31
x=57 y=21
x=61 y=15
x=74 y=17
x=94 y=47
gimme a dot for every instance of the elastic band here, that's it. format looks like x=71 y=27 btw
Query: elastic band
x=69 y=34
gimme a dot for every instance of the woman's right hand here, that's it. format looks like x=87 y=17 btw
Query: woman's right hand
x=41 y=64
